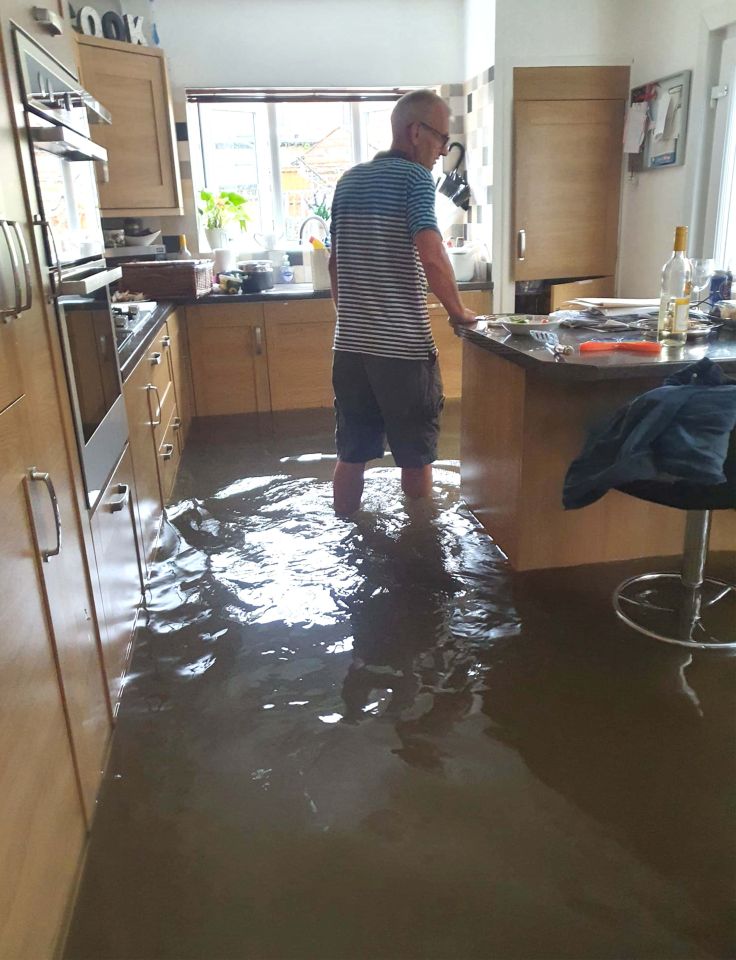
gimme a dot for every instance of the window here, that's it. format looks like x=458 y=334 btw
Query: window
x=286 y=155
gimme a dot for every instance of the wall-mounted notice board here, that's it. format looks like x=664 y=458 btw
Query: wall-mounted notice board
x=656 y=123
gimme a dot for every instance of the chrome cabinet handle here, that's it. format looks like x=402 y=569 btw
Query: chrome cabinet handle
x=259 y=340
x=155 y=359
x=121 y=499
x=167 y=451
x=55 y=268
x=38 y=476
x=155 y=421
x=10 y=313
x=521 y=245
x=166 y=342
x=176 y=423
x=28 y=300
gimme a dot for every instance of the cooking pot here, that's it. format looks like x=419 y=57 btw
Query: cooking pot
x=257 y=275
x=454 y=185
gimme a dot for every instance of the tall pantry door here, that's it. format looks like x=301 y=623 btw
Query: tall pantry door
x=568 y=128
x=42 y=825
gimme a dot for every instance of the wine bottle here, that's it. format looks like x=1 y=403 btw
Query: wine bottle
x=184 y=253
x=674 y=301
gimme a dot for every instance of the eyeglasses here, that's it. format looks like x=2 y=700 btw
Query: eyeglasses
x=444 y=137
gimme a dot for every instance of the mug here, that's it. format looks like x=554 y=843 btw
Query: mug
x=454 y=185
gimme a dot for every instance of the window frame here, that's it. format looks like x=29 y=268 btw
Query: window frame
x=723 y=147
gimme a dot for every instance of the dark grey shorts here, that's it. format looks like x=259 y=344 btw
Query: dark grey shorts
x=379 y=399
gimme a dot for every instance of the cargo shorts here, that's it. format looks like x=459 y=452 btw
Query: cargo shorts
x=380 y=399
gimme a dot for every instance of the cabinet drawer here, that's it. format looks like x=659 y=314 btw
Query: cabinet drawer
x=168 y=457
x=10 y=385
x=158 y=361
x=299 y=311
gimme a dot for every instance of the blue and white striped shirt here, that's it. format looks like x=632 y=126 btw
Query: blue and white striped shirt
x=378 y=209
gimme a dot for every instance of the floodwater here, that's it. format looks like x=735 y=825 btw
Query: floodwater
x=371 y=739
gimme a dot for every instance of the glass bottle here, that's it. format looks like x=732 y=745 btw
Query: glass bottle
x=184 y=253
x=674 y=301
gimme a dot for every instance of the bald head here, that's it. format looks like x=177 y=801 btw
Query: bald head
x=419 y=126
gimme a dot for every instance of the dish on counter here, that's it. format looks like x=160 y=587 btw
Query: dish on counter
x=522 y=324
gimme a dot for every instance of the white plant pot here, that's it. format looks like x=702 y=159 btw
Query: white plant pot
x=217 y=238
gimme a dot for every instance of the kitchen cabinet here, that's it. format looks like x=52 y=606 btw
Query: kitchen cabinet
x=448 y=343
x=42 y=823
x=561 y=293
x=299 y=336
x=119 y=569
x=229 y=364
x=132 y=83
x=568 y=128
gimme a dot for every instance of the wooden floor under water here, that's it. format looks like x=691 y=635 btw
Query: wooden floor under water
x=371 y=739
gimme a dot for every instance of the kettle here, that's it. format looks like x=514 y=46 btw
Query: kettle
x=454 y=185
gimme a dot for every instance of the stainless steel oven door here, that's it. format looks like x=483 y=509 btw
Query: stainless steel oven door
x=88 y=338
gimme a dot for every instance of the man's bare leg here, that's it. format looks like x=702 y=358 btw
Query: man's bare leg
x=347 y=487
x=416 y=482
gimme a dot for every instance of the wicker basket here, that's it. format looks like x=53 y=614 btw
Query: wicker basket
x=159 y=279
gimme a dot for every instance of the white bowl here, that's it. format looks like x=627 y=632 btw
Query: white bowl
x=525 y=329
x=144 y=240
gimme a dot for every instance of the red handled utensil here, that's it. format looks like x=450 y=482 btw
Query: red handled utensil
x=635 y=346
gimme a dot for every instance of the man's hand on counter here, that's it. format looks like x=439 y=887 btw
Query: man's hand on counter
x=467 y=316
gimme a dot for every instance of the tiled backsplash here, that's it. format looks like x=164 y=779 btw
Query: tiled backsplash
x=479 y=144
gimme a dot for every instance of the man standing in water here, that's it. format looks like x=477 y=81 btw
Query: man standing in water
x=386 y=248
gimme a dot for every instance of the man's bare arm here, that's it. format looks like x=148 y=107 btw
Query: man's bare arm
x=440 y=277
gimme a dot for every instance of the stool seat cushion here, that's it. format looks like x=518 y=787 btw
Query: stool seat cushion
x=670 y=445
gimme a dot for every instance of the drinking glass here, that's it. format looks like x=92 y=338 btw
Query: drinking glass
x=702 y=269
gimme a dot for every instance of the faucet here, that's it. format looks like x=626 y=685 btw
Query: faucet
x=309 y=219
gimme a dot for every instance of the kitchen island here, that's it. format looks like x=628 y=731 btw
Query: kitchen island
x=525 y=417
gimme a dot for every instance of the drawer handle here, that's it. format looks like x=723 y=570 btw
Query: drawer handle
x=176 y=423
x=166 y=342
x=521 y=245
x=121 y=499
x=167 y=451
x=155 y=421
x=39 y=477
x=259 y=340
x=155 y=359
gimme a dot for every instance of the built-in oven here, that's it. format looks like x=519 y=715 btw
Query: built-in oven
x=58 y=113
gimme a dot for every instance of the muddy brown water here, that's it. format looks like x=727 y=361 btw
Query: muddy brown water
x=371 y=739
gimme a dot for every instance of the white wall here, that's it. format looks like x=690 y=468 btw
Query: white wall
x=480 y=36
x=654 y=202
x=311 y=42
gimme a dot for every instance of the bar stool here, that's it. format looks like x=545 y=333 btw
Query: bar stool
x=684 y=608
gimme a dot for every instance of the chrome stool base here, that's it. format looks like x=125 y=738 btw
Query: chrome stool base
x=662 y=606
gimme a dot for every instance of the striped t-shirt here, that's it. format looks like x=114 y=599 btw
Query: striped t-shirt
x=378 y=209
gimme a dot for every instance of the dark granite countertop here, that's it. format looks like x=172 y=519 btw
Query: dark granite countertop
x=534 y=357
x=137 y=345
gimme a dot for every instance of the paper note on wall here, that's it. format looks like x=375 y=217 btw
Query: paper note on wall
x=663 y=105
x=635 y=127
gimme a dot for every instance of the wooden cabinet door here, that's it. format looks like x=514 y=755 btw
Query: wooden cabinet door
x=142 y=410
x=568 y=125
x=118 y=566
x=132 y=82
x=228 y=352
x=42 y=824
x=182 y=371
x=299 y=336
x=449 y=343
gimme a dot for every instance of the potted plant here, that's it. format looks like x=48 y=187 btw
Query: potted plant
x=220 y=210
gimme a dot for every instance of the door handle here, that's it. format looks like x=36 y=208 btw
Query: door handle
x=259 y=340
x=155 y=359
x=10 y=313
x=28 y=300
x=176 y=423
x=167 y=451
x=40 y=477
x=55 y=268
x=166 y=342
x=521 y=245
x=121 y=498
x=155 y=421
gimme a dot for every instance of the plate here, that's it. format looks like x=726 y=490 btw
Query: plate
x=524 y=329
